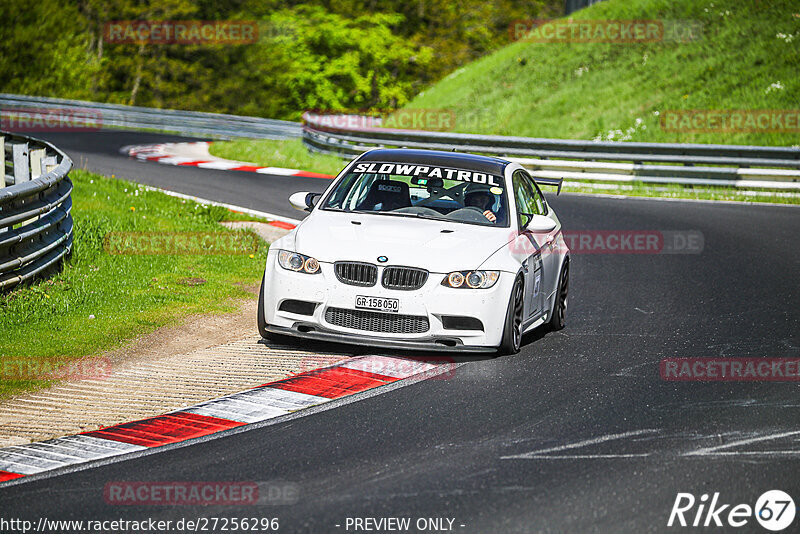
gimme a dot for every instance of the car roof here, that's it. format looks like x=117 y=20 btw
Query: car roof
x=438 y=158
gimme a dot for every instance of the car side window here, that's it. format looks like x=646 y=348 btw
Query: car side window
x=538 y=206
x=538 y=198
x=523 y=196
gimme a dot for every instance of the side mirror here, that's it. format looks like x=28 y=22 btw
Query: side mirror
x=538 y=223
x=303 y=201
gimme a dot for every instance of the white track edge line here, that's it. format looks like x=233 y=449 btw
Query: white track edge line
x=233 y=207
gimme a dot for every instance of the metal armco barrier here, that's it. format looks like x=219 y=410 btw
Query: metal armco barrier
x=110 y=116
x=754 y=167
x=689 y=164
x=35 y=222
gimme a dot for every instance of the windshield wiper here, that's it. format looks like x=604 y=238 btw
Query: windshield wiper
x=396 y=214
x=430 y=217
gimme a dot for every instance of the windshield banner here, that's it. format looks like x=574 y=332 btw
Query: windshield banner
x=429 y=172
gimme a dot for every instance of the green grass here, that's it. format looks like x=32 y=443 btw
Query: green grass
x=128 y=295
x=618 y=91
x=289 y=154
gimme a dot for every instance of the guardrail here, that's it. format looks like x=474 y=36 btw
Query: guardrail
x=690 y=164
x=167 y=120
x=741 y=166
x=35 y=222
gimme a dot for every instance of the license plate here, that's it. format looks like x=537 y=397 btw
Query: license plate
x=378 y=303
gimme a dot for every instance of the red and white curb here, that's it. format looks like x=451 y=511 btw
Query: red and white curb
x=269 y=401
x=197 y=155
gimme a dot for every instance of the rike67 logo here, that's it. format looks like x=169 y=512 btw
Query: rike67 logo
x=774 y=510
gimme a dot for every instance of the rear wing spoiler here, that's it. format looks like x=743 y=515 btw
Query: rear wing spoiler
x=555 y=182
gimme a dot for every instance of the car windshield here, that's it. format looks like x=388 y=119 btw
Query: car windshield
x=423 y=191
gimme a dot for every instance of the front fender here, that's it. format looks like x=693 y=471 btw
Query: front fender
x=510 y=256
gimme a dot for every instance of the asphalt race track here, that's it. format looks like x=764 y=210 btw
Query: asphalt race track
x=578 y=433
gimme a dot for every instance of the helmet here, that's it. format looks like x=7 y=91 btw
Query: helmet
x=477 y=188
x=473 y=192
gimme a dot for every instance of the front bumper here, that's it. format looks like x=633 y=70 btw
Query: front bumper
x=428 y=345
x=433 y=301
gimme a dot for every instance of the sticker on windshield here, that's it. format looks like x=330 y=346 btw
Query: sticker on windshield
x=430 y=172
x=496 y=191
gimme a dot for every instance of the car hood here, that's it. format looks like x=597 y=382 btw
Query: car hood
x=437 y=246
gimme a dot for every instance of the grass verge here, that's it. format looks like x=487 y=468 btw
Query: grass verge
x=288 y=153
x=100 y=300
x=741 y=55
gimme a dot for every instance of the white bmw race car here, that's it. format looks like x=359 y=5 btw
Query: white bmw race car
x=421 y=250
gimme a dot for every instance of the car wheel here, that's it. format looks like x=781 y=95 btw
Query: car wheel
x=559 y=318
x=512 y=333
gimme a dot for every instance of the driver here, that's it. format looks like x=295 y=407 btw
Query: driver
x=480 y=196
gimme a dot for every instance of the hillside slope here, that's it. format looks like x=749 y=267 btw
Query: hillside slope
x=747 y=57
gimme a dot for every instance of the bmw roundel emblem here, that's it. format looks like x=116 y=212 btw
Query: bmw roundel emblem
x=383 y=259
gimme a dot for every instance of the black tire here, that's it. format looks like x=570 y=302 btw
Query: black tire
x=512 y=333
x=559 y=318
x=262 y=322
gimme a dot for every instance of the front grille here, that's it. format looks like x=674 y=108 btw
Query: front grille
x=391 y=323
x=356 y=273
x=404 y=278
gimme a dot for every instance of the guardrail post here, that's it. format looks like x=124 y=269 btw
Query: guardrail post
x=37 y=169
x=22 y=171
x=37 y=156
x=49 y=163
x=2 y=161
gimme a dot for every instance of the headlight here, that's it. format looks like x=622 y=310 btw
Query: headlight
x=293 y=261
x=471 y=279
